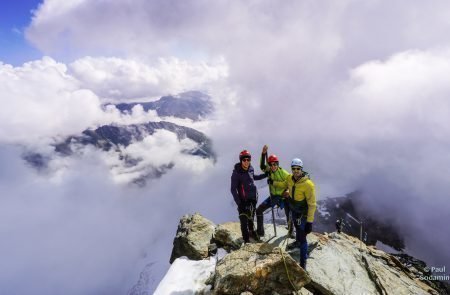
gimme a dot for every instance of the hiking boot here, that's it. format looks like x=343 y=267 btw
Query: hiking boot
x=254 y=237
x=303 y=264
x=290 y=233
x=260 y=225
x=260 y=233
x=292 y=246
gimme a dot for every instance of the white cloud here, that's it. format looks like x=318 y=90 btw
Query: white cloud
x=83 y=233
x=157 y=150
x=45 y=99
x=357 y=89
x=41 y=100
x=130 y=78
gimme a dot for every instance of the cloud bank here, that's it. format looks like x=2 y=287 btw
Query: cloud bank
x=357 y=90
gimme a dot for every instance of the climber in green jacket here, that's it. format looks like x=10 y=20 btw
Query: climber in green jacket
x=302 y=203
x=276 y=174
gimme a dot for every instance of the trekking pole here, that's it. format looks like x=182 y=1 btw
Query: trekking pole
x=271 y=201
x=360 y=230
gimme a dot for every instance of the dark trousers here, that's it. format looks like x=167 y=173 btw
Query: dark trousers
x=246 y=217
x=300 y=236
x=270 y=202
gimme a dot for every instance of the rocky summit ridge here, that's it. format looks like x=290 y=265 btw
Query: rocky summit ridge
x=337 y=264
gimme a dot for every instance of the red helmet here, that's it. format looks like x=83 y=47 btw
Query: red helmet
x=272 y=158
x=244 y=154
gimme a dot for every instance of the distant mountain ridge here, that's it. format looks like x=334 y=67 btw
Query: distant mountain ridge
x=109 y=136
x=192 y=105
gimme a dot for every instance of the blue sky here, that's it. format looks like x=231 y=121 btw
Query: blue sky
x=14 y=18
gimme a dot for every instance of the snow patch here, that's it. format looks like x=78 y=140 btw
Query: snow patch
x=386 y=248
x=322 y=209
x=186 y=277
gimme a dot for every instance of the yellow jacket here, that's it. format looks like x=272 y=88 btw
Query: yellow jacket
x=303 y=199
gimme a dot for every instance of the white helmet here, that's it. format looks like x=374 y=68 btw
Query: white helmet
x=296 y=162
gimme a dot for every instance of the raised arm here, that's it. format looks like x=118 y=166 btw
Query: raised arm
x=262 y=161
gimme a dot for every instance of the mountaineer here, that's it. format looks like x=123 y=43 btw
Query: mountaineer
x=245 y=194
x=302 y=203
x=277 y=175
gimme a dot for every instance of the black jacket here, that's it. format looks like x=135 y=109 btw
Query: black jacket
x=243 y=184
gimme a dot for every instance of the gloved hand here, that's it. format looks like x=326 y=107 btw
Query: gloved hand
x=269 y=181
x=308 y=227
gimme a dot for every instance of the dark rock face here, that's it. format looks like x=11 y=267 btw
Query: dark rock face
x=193 y=105
x=374 y=228
x=111 y=137
x=331 y=209
x=108 y=136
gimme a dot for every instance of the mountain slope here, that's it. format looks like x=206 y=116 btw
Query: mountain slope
x=193 y=105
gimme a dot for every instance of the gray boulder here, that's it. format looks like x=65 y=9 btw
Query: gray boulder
x=228 y=235
x=193 y=238
x=259 y=269
x=340 y=264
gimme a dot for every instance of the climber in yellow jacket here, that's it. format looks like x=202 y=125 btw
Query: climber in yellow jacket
x=302 y=203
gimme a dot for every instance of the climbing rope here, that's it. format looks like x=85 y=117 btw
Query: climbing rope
x=284 y=258
x=250 y=217
x=284 y=242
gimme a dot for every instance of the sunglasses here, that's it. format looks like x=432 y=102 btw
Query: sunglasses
x=246 y=160
x=273 y=164
x=296 y=168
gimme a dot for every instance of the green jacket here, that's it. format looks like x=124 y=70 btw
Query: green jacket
x=278 y=176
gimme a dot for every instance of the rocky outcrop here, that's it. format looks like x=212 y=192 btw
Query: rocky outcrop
x=194 y=235
x=337 y=264
x=258 y=268
x=228 y=236
x=340 y=264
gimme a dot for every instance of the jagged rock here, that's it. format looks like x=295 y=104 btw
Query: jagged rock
x=194 y=105
x=228 y=235
x=259 y=269
x=340 y=264
x=193 y=237
x=337 y=264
